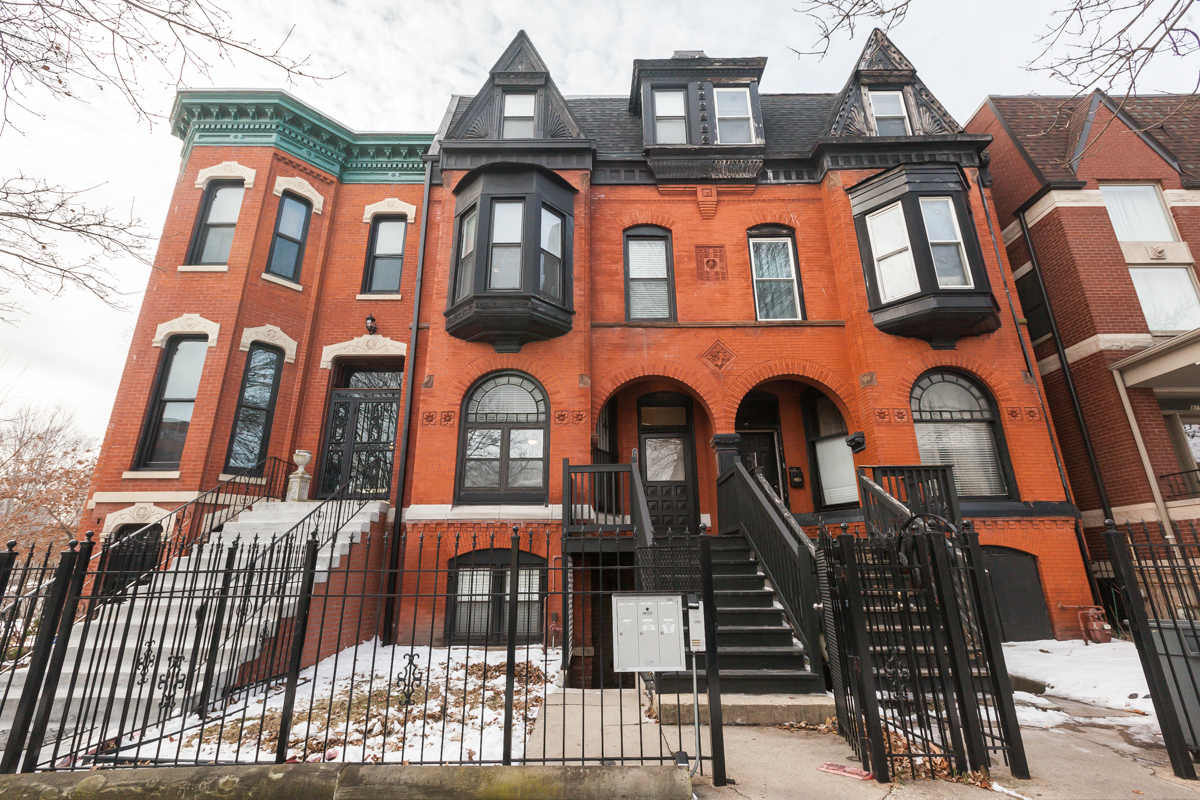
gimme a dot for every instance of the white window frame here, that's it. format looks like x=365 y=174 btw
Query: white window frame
x=683 y=95
x=1162 y=204
x=755 y=279
x=871 y=93
x=749 y=112
x=1189 y=268
x=504 y=115
x=962 y=248
x=877 y=256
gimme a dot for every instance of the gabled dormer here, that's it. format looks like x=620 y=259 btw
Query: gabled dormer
x=701 y=116
x=884 y=97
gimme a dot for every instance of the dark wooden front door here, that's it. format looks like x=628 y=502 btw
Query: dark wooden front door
x=360 y=442
x=668 y=461
x=758 y=449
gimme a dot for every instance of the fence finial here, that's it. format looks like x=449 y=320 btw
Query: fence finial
x=71 y=545
x=1110 y=524
x=90 y=535
x=12 y=544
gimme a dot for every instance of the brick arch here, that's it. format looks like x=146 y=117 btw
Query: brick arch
x=770 y=216
x=646 y=216
x=546 y=375
x=703 y=387
x=785 y=368
x=999 y=387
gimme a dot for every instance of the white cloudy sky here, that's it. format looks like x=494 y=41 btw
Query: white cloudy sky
x=401 y=61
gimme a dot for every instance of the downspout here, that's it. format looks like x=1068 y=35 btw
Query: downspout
x=410 y=367
x=1031 y=368
x=1168 y=531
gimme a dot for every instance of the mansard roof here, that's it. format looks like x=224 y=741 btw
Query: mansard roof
x=1052 y=130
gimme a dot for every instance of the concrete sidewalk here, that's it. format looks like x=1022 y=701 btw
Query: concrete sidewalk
x=1078 y=761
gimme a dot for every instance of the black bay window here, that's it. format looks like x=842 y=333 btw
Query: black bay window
x=291 y=230
x=170 y=411
x=255 y=410
x=922 y=262
x=213 y=236
x=513 y=257
x=503 y=452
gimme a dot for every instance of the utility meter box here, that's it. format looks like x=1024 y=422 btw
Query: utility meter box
x=648 y=633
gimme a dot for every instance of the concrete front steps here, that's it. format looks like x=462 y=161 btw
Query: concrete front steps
x=164 y=613
x=749 y=709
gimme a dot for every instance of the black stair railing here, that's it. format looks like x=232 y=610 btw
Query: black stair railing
x=787 y=557
x=921 y=489
x=605 y=500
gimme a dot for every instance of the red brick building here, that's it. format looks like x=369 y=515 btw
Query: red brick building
x=692 y=267
x=1098 y=201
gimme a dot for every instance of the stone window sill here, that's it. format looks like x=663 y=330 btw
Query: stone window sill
x=379 y=297
x=203 y=268
x=282 y=282
x=417 y=513
x=150 y=475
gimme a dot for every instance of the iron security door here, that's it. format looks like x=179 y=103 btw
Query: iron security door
x=360 y=442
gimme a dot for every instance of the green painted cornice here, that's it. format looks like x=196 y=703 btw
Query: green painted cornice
x=273 y=118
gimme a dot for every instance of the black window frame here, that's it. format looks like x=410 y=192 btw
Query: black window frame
x=1033 y=306
x=276 y=235
x=202 y=226
x=996 y=424
x=265 y=440
x=465 y=495
x=498 y=561
x=152 y=419
x=651 y=232
x=372 y=256
x=777 y=232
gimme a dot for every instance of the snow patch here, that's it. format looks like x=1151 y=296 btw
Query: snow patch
x=1100 y=674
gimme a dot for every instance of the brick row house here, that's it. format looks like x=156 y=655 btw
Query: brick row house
x=1099 y=199
x=695 y=270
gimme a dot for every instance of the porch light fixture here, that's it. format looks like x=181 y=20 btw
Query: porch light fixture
x=371 y=327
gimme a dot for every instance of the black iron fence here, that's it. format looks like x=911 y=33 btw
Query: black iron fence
x=1180 y=485
x=1156 y=576
x=270 y=649
x=605 y=500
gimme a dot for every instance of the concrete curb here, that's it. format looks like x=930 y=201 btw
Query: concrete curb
x=353 y=782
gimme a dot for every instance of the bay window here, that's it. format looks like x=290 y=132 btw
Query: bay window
x=218 y=218
x=170 y=411
x=287 y=245
x=894 y=267
x=255 y=409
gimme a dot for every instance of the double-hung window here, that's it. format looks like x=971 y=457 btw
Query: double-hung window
x=256 y=407
x=518 y=116
x=776 y=288
x=218 y=218
x=385 y=256
x=478 y=597
x=507 y=225
x=649 y=289
x=891 y=118
x=894 y=268
x=552 y=251
x=945 y=242
x=1137 y=212
x=466 y=255
x=170 y=411
x=733 y=116
x=287 y=246
x=670 y=117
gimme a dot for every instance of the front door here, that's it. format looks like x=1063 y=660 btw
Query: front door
x=759 y=449
x=668 y=461
x=360 y=436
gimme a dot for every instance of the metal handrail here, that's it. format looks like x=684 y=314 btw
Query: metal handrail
x=642 y=526
x=1180 y=485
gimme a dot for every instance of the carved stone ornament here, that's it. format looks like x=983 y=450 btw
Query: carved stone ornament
x=368 y=345
x=299 y=186
x=719 y=356
x=136 y=514
x=393 y=205
x=188 y=323
x=226 y=169
x=711 y=263
x=1156 y=252
x=270 y=334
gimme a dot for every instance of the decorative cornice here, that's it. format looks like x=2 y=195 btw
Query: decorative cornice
x=363 y=346
x=188 y=323
x=226 y=169
x=269 y=118
x=392 y=205
x=299 y=186
x=136 y=514
x=270 y=334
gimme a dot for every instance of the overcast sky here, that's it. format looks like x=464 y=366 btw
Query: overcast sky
x=400 y=62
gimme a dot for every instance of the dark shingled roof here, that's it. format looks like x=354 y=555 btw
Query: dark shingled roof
x=1048 y=128
x=792 y=123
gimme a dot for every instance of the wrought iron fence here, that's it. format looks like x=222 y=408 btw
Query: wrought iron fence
x=275 y=650
x=1156 y=574
x=1180 y=485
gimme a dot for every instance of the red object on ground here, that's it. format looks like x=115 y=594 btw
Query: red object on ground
x=849 y=772
x=1094 y=626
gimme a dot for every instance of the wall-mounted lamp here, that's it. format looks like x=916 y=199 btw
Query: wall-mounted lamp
x=371 y=327
x=857 y=442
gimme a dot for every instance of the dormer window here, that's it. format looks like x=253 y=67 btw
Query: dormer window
x=733 y=116
x=518 y=116
x=670 y=117
x=891 y=119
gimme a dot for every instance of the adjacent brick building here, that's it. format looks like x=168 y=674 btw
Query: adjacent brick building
x=1099 y=200
x=693 y=266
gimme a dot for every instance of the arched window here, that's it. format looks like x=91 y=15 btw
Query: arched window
x=477 y=597
x=503 y=453
x=956 y=425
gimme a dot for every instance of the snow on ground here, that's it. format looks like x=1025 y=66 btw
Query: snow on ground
x=350 y=707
